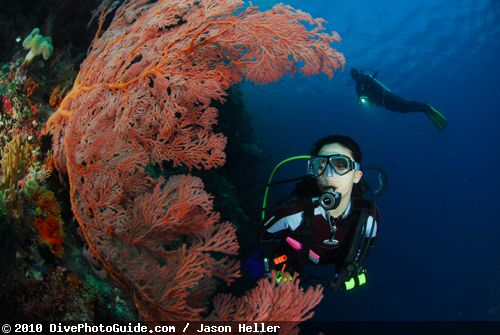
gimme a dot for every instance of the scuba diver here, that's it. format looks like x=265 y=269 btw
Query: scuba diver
x=370 y=90
x=326 y=230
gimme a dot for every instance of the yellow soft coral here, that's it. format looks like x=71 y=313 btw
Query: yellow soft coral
x=15 y=163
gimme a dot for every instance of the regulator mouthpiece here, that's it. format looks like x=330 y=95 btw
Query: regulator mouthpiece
x=330 y=199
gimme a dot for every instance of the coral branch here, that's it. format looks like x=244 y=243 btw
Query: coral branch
x=143 y=96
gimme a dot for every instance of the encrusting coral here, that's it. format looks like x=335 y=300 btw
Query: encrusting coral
x=48 y=220
x=44 y=276
x=25 y=199
x=143 y=96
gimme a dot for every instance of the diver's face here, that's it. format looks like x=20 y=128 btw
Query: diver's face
x=342 y=184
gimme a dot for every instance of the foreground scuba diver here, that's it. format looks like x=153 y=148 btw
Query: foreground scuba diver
x=370 y=90
x=326 y=230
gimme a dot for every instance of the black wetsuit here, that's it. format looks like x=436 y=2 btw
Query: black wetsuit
x=378 y=94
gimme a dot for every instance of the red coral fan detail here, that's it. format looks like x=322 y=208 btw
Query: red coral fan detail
x=143 y=96
x=286 y=301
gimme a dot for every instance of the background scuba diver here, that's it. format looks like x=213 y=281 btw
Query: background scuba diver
x=370 y=90
x=327 y=229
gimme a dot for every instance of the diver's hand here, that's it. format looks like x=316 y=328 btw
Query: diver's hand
x=267 y=267
x=254 y=266
x=336 y=286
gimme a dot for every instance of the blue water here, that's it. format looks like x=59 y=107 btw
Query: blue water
x=438 y=256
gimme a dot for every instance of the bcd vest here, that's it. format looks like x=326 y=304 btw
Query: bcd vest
x=352 y=248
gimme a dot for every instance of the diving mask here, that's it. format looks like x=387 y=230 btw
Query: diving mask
x=328 y=166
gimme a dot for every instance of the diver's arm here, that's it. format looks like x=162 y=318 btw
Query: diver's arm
x=371 y=88
x=277 y=229
x=379 y=83
x=268 y=244
x=291 y=222
x=370 y=237
x=286 y=215
x=371 y=227
x=285 y=218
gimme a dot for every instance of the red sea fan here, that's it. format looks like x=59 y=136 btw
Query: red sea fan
x=288 y=304
x=285 y=302
x=143 y=96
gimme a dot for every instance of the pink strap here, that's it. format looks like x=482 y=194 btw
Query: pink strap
x=314 y=257
x=293 y=243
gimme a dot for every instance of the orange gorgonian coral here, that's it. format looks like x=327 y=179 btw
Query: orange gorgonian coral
x=142 y=96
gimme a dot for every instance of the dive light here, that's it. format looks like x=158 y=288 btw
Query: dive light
x=363 y=100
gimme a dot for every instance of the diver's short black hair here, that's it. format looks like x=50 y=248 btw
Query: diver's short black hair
x=343 y=140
